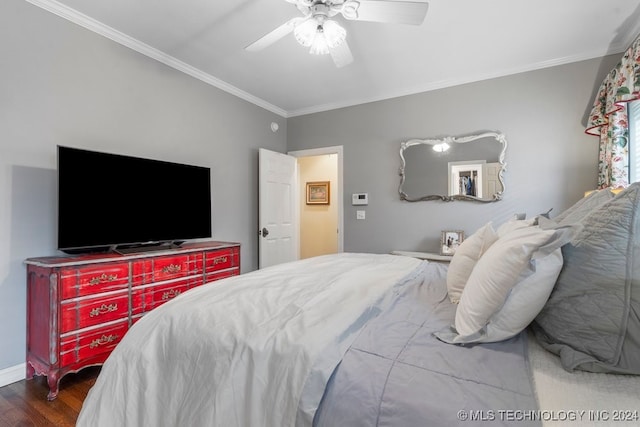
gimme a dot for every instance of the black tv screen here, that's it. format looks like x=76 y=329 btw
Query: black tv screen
x=110 y=200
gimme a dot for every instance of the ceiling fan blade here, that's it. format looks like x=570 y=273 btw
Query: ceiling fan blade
x=341 y=54
x=395 y=12
x=276 y=34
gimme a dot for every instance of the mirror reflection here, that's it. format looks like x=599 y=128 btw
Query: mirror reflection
x=453 y=168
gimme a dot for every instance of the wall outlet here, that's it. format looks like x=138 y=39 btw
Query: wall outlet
x=360 y=215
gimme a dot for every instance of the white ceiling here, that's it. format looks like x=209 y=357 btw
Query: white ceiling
x=460 y=41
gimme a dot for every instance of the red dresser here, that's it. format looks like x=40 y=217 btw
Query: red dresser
x=80 y=307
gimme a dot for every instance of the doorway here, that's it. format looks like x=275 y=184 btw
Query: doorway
x=321 y=224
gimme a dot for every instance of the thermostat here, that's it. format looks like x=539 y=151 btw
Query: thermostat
x=358 y=199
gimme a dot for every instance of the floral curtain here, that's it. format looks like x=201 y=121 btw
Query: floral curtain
x=608 y=118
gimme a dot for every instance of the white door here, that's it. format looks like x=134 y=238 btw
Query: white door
x=492 y=181
x=278 y=230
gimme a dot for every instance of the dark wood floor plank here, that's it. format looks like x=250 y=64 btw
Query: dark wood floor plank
x=56 y=412
x=24 y=403
x=20 y=413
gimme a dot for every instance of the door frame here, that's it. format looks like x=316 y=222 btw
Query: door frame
x=338 y=150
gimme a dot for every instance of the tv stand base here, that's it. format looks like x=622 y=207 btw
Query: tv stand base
x=146 y=247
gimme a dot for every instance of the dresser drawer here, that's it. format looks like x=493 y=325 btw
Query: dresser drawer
x=81 y=281
x=158 y=295
x=220 y=260
x=210 y=277
x=172 y=267
x=78 y=314
x=77 y=347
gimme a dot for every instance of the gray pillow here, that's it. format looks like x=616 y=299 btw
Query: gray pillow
x=592 y=318
x=584 y=206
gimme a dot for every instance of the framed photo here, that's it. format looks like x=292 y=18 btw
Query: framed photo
x=318 y=193
x=450 y=241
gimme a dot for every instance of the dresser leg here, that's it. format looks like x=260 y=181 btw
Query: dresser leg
x=31 y=371
x=53 y=380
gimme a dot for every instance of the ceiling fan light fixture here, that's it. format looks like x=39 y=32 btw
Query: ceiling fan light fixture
x=320 y=36
x=319 y=45
x=334 y=34
x=305 y=33
x=317 y=30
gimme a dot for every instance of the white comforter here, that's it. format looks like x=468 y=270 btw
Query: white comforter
x=238 y=352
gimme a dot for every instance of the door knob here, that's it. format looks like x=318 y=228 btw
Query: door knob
x=264 y=232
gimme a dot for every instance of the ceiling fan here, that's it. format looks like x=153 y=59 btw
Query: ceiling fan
x=323 y=35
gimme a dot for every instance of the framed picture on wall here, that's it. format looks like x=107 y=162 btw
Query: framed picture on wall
x=450 y=241
x=318 y=193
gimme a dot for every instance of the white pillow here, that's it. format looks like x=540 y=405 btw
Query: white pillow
x=514 y=224
x=526 y=300
x=512 y=259
x=495 y=274
x=466 y=257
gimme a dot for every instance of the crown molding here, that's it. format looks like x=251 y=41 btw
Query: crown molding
x=98 y=27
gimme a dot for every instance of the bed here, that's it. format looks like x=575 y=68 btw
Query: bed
x=356 y=339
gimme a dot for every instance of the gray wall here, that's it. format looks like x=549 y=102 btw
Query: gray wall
x=550 y=161
x=62 y=84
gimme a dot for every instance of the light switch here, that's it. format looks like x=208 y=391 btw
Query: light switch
x=360 y=214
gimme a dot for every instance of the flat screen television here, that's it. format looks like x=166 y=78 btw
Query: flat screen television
x=124 y=203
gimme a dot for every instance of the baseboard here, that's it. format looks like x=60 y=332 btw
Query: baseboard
x=12 y=374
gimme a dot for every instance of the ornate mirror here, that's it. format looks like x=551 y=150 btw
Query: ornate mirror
x=453 y=168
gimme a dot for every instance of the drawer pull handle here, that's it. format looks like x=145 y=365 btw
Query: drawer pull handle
x=219 y=260
x=170 y=294
x=103 y=309
x=172 y=268
x=105 y=339
x=103 y=278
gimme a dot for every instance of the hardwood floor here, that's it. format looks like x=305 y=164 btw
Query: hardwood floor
x=25 y=404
